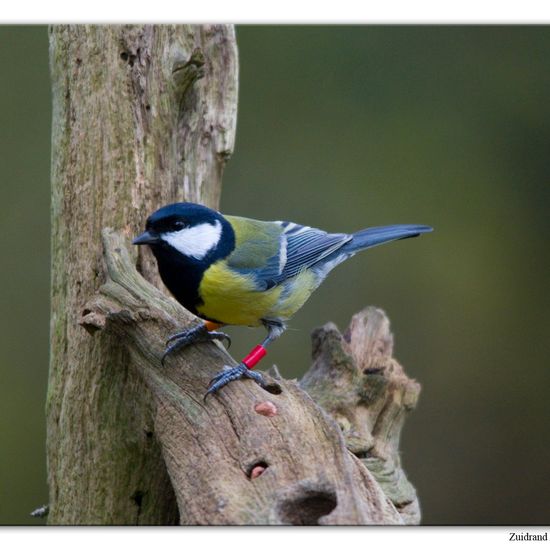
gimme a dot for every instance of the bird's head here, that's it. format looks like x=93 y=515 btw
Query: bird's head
x=191 y=230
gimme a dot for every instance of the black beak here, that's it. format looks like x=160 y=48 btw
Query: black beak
x=146 y=238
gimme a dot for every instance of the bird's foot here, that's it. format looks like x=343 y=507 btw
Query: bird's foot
x=190 y=336
x=228 y=374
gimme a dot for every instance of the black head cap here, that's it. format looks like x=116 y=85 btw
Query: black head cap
x=175 y=216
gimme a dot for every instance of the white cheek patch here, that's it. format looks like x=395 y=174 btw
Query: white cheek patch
x=195 y=241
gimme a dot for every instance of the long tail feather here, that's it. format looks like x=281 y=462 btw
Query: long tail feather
x=373 y=236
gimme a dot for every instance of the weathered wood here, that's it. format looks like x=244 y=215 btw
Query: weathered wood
x=246 y=456
x=357 y=381
x=143 y=115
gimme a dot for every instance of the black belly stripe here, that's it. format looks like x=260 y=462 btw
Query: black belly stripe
x=181 y=277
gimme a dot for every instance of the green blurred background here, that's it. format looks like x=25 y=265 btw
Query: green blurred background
x=341 y=128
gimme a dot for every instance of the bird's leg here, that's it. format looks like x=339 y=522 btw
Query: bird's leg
x=205 y=332
x=244 y=368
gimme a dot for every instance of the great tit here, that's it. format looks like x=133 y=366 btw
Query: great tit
x=230 y=270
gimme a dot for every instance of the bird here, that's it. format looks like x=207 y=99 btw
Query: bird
x=231 y=270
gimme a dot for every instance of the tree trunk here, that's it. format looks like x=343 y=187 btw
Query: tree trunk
x=144 y=116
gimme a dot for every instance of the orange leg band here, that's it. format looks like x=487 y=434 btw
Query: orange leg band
x=210 y=325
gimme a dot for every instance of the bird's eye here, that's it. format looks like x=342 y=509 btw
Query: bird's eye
x=179 y=225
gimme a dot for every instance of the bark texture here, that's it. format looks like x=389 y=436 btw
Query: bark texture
x=142 y=116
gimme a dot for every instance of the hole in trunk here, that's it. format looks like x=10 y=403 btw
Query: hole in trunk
x=373 y=370
x=274 y=388
x=137 y=497
x=308 y=508
x=257 y=469
x=363 y=453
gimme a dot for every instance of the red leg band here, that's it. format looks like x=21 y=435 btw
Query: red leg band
x=254 y=357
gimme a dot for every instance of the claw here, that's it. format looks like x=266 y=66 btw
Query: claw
x=167 y=352
x=218 y=376
x=221 y=336
x=177 y=335
x=192 y=336
x=229 y=374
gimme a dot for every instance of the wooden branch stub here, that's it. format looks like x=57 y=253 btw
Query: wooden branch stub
x=246 y=456
x=356 y=380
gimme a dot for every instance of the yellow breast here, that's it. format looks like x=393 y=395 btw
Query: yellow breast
x=233 y=299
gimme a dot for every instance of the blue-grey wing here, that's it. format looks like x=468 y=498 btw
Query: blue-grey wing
x=300 y=247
